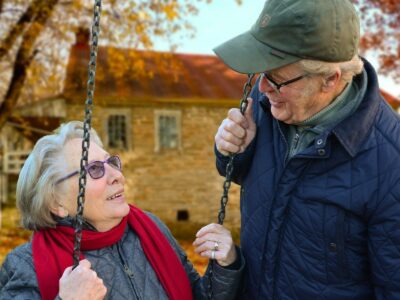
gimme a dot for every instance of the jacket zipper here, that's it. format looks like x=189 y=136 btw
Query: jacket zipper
x=294 y=144
x=127 y=271
x=286 y=142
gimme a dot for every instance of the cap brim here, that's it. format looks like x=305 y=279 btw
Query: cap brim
x=245 y=54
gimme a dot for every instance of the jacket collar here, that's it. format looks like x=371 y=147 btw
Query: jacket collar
x=353 y=131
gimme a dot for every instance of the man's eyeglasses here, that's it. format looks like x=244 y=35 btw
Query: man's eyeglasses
x=277 y=86
x=96 y=168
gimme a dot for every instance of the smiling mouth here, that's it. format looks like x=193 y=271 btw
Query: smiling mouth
x=114 y=196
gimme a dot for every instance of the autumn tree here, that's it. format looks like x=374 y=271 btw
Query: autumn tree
x=381 y=33
x=37 y=34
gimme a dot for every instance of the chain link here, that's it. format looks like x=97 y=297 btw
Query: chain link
x=228 y=179
x=86 y=131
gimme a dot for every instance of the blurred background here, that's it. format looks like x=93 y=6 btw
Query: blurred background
x=160 y=94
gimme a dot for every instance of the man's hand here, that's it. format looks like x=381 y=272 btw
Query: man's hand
x=237 y=131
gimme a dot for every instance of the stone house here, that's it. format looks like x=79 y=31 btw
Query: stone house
x=162 y=124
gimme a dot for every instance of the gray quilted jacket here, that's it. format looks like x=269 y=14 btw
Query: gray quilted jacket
x=124 y=269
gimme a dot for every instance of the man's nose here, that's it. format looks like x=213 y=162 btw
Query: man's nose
x=266 y=86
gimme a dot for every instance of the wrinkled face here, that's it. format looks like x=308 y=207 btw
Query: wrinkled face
x=296 y=101
x=105 y=204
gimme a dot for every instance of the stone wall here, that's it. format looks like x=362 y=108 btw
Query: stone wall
x=169 y=181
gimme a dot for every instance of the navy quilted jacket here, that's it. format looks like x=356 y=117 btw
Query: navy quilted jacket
x=324 y=224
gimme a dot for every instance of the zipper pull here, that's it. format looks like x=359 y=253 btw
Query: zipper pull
x=128 y=271
x=296 y=140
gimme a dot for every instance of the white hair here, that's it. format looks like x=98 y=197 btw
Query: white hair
x=37 y=191
x=349 y=69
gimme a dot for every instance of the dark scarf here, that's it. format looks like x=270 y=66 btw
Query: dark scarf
x=52 y=253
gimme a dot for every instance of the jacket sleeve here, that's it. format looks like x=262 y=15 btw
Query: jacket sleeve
x=384 y=245
x=242 y=161
x=17 y=276
x=226 y=281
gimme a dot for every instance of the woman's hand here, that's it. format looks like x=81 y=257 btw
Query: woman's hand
x=81 y=283
x=215 y=241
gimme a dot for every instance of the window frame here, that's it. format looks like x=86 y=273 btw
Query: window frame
x=177 y=114
x=126 y=112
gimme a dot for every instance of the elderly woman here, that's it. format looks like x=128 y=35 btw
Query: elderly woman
x=126 y=253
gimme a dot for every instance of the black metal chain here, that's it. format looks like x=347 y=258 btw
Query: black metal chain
x=228 y=177
x=86 y=131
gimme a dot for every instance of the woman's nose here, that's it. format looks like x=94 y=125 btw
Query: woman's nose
x=114 y=175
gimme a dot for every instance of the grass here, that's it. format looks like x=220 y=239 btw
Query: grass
x=12 y=235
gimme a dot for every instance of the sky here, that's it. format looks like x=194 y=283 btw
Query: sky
x=224 y=19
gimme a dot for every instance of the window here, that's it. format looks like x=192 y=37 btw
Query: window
x=182 y=215
x=167 y=126
x=117 y=129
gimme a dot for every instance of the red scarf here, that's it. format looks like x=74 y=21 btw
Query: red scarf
x=52 y=253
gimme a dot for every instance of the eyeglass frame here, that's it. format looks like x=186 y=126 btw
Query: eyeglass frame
x=277 y=86
x=89 y=165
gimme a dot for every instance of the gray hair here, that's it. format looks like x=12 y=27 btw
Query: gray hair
x=349 y=68
x=36 y=188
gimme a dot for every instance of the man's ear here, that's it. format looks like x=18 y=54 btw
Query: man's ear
x=331 y=81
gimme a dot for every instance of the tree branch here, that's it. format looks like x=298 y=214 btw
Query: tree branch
x=25 y=56
x=26 y=18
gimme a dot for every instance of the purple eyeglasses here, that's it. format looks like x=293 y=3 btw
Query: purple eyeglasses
x=96 y=168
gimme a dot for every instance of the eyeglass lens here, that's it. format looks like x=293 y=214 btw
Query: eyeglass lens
x=96 y=169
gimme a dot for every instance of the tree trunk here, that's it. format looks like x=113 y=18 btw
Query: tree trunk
x=24 y=57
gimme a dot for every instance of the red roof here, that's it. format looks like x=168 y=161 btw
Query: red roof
x=164 y=77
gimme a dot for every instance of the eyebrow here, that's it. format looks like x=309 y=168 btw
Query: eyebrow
x=106 y=155
x=278 y=76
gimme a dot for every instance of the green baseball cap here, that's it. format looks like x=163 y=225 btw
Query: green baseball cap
x=290 y=30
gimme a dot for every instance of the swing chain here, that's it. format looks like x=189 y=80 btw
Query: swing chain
x=228 y=179
x=86 y=131
x=229 y=167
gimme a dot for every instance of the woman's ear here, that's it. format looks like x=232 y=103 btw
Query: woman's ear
x=59 y=211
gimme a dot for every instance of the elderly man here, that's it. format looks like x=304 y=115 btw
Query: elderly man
x=318 y=158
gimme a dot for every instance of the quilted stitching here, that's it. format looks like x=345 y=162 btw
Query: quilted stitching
x=320 y=233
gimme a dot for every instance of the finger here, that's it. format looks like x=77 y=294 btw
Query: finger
x=218 y=255
x=210 y=240
x=66 y=272
x=102 y=291
x=235 y=128
x=229 y=137
x=236 y=116
x=209 y=245
x=210 y=228
x=84 y=263
x=226 y=148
